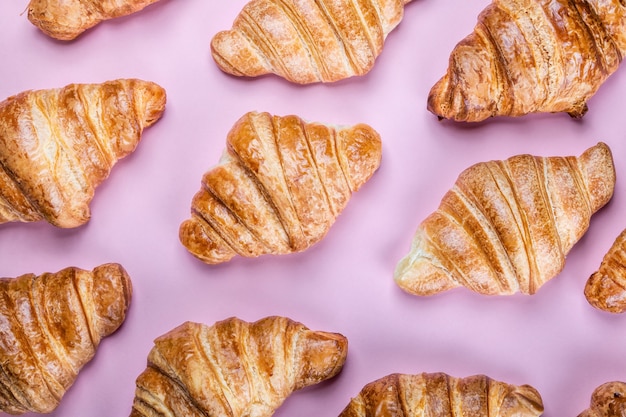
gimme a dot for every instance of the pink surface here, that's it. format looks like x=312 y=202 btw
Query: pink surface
x=553 y=340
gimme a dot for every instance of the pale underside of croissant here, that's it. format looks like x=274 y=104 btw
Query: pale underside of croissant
x=607 y=400
x=532 y=56
x=439 y=394
x=506 y=226
x=307 y=41
x=235 y=368
x=67 y=19
x=50 y=327
x=606 y=288
x=58 y=145
x=279 y=186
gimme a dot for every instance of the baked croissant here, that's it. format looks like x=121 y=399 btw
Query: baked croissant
x=438 y=394
x=234 y=368
x=50 y=327
x=279 y=186
x=532 y=56
x=506 y=226
x=606 y=288
x=67 y=19
x=306 y=41
x=607 y=400
x=58 y=145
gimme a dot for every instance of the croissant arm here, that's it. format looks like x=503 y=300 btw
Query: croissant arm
x=279 y=186
x=531 y=56
x=67 y=19
x=235 y=368
x=306 y=41
x=506 y=226
x=606 y=288
x=52 y=325
x=441 y=394
x=607 y=400
x=58 y=145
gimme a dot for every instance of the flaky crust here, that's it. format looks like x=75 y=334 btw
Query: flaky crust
x=506 y=226
x=606 y=288
x=607 y=400
x=67 y=19
x=234 y=368
x=529 y=56
x=438 y=394
x=306 y=41
x=58 y=145
x=279 y=186
x=50 y=327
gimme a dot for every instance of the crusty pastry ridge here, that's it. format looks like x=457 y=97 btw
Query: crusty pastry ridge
x=58 y=145
x=50 y=327
x=530 y=56
x=439 y=394
x=279 y=186
x=506 y=226
x=306 y=41
x=67 y=19
x=606 y=288
x=607 y=400
x=234 y=368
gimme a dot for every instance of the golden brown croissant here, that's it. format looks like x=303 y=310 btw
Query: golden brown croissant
x=506 y=226
x=67 y=19
x=50 y=327
x=306 y=41
x=58 y=145
x=606 y=288
x=438 y=394
x=234 y=368
x=532 y=56
x=607 y=400
x=279 y=186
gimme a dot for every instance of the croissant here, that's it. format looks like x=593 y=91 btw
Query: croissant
x=234 y=368
x=532 y=56
x=506 y=226
x=607 y=400
x=306 y=41
x=438 y=394
x=50 y=327
x=67 y=19
x=606 y=288
x=58 y=145
x=278 y=187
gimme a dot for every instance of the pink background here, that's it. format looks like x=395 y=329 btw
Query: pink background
x=553 y=340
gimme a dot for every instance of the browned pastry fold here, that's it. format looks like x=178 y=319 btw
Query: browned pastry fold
x=607 y=400
x=532 y=56
x=58 y=145
x=506 y=226
x=50 y=327
x=306 y=41
x=234 y=368
x=67 y=19
x=606 y=288
x=278 y=187
x=438 y=394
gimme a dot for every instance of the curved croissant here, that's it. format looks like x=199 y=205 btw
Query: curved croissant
x=67 y=19
x=506 y=226
x=306 y=41
x=58 y=145
x=50 y=327
x=438 y=394
x=279 y=186
x=607 y=400
x=234 y=368
x=532 y=56
x=606 y=288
